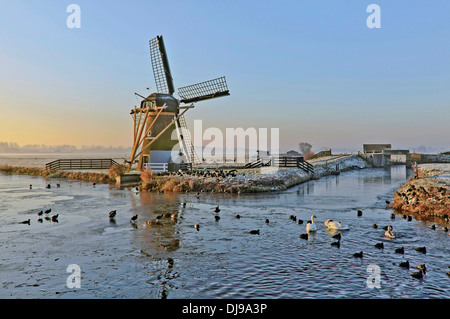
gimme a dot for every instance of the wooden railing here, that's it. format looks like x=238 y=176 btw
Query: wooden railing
x=321 y=154
x=164 y=167
x=307 y=167
x=255 y=164
x=78 y=163
x=288 y=161
x=186 y=166
x=157 y=167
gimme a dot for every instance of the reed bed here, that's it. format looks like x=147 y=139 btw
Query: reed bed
x=47 y=173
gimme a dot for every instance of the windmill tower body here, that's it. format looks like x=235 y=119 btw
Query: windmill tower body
x=159 y=124
x=163 y=150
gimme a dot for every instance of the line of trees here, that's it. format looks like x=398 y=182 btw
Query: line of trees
x=12 y=147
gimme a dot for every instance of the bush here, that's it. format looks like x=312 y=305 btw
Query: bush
x=146 y=176
x=117 y=170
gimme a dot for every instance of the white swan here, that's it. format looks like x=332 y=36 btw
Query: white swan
x=311 y=227
x=389 y=232
x=331 y=224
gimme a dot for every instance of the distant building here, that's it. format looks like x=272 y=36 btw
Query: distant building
x=293 y=153
x=400 y=157
x=376 y=148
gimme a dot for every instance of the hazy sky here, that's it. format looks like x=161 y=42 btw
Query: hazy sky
x=311 y=68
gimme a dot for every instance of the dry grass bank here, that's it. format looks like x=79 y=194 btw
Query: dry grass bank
x=426 y=194
x=264 y=179
x=46 y=173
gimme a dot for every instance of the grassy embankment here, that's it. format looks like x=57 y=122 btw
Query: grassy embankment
x=47 y=173
x=425 y=194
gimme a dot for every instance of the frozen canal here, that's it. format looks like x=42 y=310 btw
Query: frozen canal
x=119 y=259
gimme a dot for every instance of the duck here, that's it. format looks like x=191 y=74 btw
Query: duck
x=338 y=236
x=217 y=209
x=267 y=220
x=300 y=221
x=422 y=267
x=358 y=255
x=237 y=216
x=48 y=211
x=26 y=222
x=359 y=213
x=400 y=251
x=331 y=224
x=404 y=264
x=112 y=214
x=336 y=244
x=433 y=227
x=254 y=232
x=197 y=226
x=55 y=218
x=40 y=213
x=409 y=218
x=390 y=233
x=379 y=245
x=422 y=249
x=392 y=216
x=304 y=236
x=152 y=222
x=418 y=275
x=134 y=218
x=311 y=227
x=375 y=226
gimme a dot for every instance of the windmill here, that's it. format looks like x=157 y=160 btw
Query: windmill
x=160 y=114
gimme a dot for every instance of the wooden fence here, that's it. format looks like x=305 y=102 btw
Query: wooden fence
x=78 y=163
x=321 y=154
x=291 y=161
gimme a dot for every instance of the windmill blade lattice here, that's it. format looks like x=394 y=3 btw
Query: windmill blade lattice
x=204 y=90
x=160 y=66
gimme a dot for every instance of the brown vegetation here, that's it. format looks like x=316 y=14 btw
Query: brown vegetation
x=424 y=198
x=47 y=173
x=179 y=184
x=117 y=170
x=308 y=155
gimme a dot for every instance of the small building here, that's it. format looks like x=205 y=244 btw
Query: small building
x=293 y=153
x=376 y=148
x=400 y=157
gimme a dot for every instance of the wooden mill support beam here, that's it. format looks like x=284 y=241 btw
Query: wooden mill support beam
x=161 y=133
x=150 y=127
x=138 y=137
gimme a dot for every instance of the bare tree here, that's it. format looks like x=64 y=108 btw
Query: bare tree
x=304 y=147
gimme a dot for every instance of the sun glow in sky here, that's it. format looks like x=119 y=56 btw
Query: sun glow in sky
x=311 y=68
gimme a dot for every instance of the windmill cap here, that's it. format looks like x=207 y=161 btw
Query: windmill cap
x=160 y=99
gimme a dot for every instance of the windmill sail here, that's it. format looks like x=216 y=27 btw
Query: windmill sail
x=204 y=90
x=160 y=65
